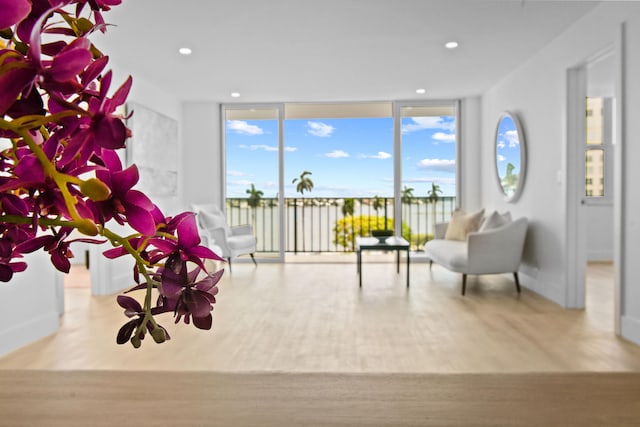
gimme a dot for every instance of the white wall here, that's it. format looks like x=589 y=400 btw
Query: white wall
x=600 y=232
x=30 y=303
x=541 y=109
x=470 y=116
x=203 y=158
x=154 y=98
x=537 y=92
x=110 y=276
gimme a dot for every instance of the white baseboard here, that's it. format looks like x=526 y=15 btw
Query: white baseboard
x=546 y=288
x=27 y=332
x=630 y=329
x=599 y=256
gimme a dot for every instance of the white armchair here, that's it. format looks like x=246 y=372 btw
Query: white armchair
x=228 y=242
x=491 y=250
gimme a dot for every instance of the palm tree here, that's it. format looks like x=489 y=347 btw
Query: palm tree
x=378 y=203
x=432 y=197
x=255 y=196
x=510 y=181
x=407 y=195
x=406 y=199
x=348 y=208
x=304 y=183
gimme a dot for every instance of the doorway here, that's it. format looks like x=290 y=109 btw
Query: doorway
x=591 y=186
x=598 y=192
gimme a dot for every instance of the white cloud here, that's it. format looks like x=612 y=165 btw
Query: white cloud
x=444 y=137
x=430 y=122
x=438 y=164
x=337 y=154
x=500 y=144
x=244 y=128
x=235 y=173
x=320 y=129
x=501 y=158
x=512 y=138
x=381 y=155
x=259 y=147
x=242 y=182
x=265 y=147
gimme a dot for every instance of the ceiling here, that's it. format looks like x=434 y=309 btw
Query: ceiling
x=330 y=50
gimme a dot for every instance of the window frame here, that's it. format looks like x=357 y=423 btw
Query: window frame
x=607 y=147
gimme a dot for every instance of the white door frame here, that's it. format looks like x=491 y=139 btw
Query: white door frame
x=619 y=208
x=576 y=254
x=575 y=217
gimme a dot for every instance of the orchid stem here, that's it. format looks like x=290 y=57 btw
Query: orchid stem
x=50 y=170
x=142 y=264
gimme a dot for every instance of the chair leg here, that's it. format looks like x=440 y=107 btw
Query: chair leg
x=464 y=283
x=515 y=276
x=253 y=259
x=430 y=263
x=229 y=262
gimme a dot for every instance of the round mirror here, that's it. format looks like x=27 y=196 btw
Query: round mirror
x=511 y=157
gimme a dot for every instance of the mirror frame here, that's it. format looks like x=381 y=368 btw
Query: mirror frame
x=523 y=156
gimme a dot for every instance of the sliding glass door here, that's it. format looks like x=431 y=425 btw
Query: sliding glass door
x=345 y=151
x=311 y=177
x=426 y=165
x=253 y=173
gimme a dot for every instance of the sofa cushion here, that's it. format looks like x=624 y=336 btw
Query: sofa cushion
x=242 y=241
x=462 y=224
x=495 y=220
x=451 y=254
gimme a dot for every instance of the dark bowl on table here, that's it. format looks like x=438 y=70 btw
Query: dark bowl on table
x=381 y=235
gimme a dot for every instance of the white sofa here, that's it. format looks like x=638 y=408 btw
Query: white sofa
x=496 y=247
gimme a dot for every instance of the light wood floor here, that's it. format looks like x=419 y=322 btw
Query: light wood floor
x=307 y=317
x=153 y=399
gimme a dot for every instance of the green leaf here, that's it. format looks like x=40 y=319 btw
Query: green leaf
x=84 y=25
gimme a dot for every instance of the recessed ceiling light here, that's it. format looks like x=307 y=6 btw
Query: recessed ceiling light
x=235 y=94
x=421 y=91
x=185 y=51
x=451 y=45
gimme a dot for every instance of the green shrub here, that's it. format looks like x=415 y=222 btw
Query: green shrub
x=418 y=240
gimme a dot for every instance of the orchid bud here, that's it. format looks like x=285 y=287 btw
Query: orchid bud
x=158 y=335
x=95 y=189
x=136 y=342
x=86 y=226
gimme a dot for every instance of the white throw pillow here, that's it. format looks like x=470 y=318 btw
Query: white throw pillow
x=506 y=217
x=462 y=224
x=495 y=220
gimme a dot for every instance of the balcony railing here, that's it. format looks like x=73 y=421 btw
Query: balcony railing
x=324 y=224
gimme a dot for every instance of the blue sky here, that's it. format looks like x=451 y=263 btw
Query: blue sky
x=347 y=157
x=507 y=146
